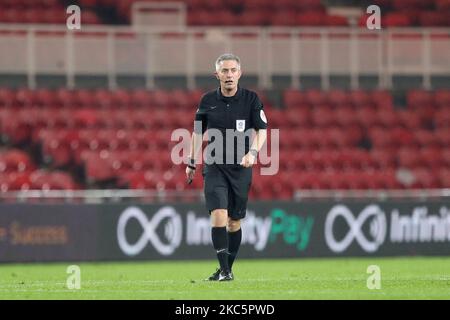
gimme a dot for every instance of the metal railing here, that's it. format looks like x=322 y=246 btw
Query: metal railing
x=170 y=13
x=99 y=196
x=190 y=52
x=380 y=195
x=160 y=196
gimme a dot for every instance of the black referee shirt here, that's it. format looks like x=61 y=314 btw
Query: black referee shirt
x=231 y=116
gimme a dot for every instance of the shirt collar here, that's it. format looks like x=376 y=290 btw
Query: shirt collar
x=235 y=97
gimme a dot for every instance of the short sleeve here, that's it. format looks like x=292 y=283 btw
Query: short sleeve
x=201 y=120
x=259 y=119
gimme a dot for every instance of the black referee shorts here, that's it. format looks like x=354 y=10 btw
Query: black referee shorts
x=227 y=187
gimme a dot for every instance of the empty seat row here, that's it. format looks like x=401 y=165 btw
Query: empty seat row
x=293 y=98
x=15 y=160
x=42 y=15
x=430 y=18
x=37 y=180
x=397 y=137
x=380 y=99
x=428 y=99
x=231 y=12
x=334 y=139
x=99 y=98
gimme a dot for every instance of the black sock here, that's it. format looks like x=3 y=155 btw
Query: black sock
x=234 y=242
x=220 y=242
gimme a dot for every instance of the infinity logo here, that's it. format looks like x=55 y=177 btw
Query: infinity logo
x=173 y=230
x=377 y=228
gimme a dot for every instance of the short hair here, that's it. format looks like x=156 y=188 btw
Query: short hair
x=225 y=57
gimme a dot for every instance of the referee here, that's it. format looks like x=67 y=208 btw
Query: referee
x=233 y=112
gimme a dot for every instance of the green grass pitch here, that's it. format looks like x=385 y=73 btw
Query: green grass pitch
x=341 y=278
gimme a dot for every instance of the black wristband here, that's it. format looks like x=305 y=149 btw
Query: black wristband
x=191 y=163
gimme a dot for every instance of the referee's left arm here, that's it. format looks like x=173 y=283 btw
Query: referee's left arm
x=259 y=122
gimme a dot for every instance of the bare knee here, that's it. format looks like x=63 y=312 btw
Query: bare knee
x=234 y=225
x=219 y=218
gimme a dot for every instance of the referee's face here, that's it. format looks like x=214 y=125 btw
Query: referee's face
x=228 y=75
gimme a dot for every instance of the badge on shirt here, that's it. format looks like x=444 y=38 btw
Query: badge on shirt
x=240 y=125
x=263 y=116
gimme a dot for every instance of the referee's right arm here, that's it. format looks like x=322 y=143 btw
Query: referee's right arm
x=196 y=142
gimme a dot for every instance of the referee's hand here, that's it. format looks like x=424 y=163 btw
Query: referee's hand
x=248 y=160
x=189 y=175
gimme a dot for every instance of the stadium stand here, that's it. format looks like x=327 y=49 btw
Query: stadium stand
x=398 y=13
x=121 y=139
x=41 y=12
x=338 y=139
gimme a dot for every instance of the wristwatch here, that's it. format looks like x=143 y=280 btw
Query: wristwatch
x=191 y=163
x=254 y=152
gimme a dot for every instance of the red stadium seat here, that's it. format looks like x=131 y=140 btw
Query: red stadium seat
x=293 y=98
x=385 y=179
x=383 y=159
x=396 y=19
x=338 y=98
x=26 y=97
x=323 y=117
x=402 y=4
x=141 y=98
x=310 y=5
x=432 y=157
x=444 y=177
x=297 y=118
x=442 y=118
x=66 y=98
x=7 y=97
x=409 y=120
x=380 y=138
x=402 y=137
x=86 y=98
x=316 y=97
x=283 y=18
x=90 y=17
x=98 y=166
x=335 y=20
x=161 y=98
x=419 y=98
x=345 y=116
x=54 y=15
x=425 y=138
x=56 y=152
x=442 y=4
x=442 y=98
x=382 y=99
x=307 y=180
x=34 y=15
x=251 y=5
x=388 y=118
x=103 y=97
x=434 y=18
x=88 y=3
x=407 y=158
x=360 y=98
x=289 y=5
x=425 y=178
x=15 y=161
x=258 y=18
x=443 y=136
x=19 y=181
x=56 y=180
x=367 y=117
